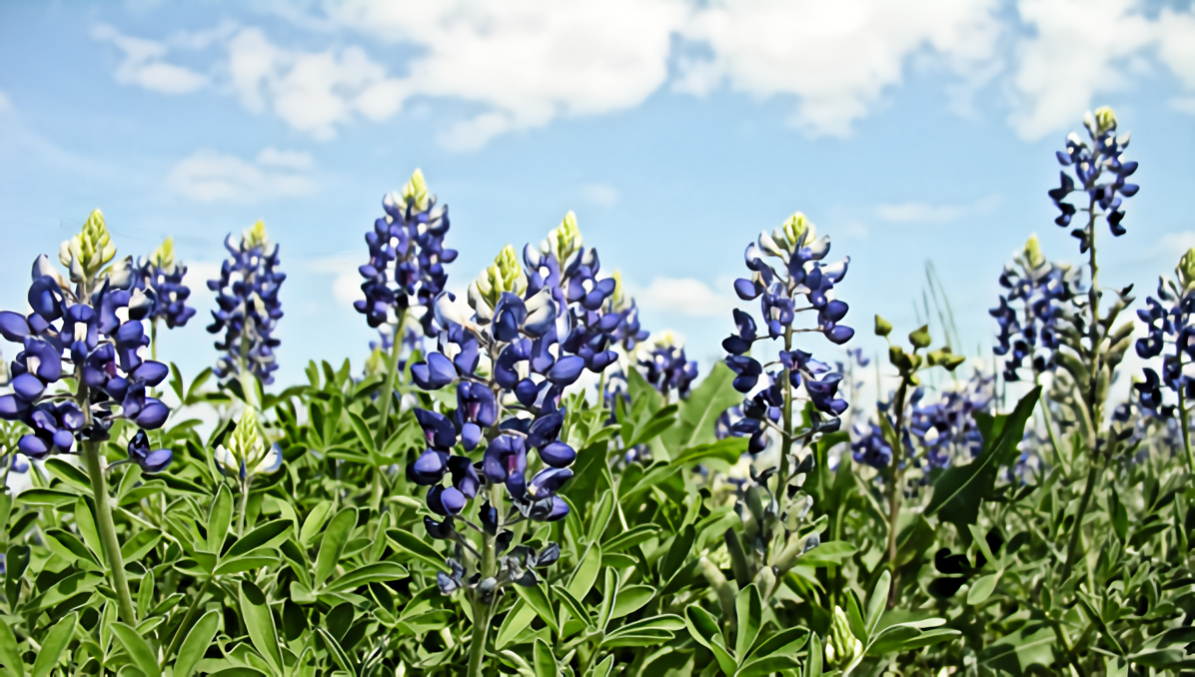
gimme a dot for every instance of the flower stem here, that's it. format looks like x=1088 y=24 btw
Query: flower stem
x=244 y=505
x=483 y=609
x=894 y=489
x=187 y=620
x=1184 y=421
x=391 y=378
x=786 y=443
x=104 y=524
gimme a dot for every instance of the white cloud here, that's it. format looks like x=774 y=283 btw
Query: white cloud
x=527 y=61
x=836 y=58
x=208 y=176
x=1085 y=48
x=921 y=212
x=346 y=283
x=684 y=296
x=600 y=194
x=5 y=103
x=522 y=64
x=144 y=65
x=290 y=159
x=312 y=91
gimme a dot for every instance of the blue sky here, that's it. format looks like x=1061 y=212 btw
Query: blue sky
x=909 y=131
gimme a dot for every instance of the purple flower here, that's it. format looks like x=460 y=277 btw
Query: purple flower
x=249 y=309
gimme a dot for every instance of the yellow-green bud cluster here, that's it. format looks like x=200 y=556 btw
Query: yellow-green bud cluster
x=415 y=192
x=255 y=237
x=163 y=256
x=88 y=252
x=505 y=274
x=564 y=240
x=1186 y=270
x=842 y=647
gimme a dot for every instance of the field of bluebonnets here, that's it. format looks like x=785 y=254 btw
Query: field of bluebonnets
x=534 y=484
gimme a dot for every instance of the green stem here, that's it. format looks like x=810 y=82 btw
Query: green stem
x=786 y=444
x=1185 y=422
x=483 y=610
x=244 y=505
x=103 y=522
x=153 y=340
x=894 y=488
x=1073 y=546
x=187 y=620
x=391 y=378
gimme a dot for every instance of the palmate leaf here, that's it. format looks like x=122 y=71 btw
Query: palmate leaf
x=960 y=489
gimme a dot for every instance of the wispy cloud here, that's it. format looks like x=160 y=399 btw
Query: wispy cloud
x=683 y=296
x=144 y=64
x=523 y=64
x=600 y=194
x=925 y=213
x=208 y=176
x=346 y=280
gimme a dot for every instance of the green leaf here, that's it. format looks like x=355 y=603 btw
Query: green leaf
x=877 y=603
x=631 y=537
x=85 y=523
x=10 y=655
x=54 y=643
x=138 y=649
x=517 y=620
x=380 y=572
x=728 y=450
x=1032 y=644
x=538 y=600
x=199 y=638
x=574 y=606
x=335 y=651
x=631 y=599
x=813 y=664
x=748 y=616
x=586 y=573
x=704 y=629
x=660 y=421
x=47 y=498
x=982 y=588
x=827 y=554
x=68 y=545
x=602 y=669
x=314 y=523
x=545 y=662
x=362 y=431
x=960 y=489
x=58 y=467
x=416 y=547
x=332 y=544
x=268 y=535
x=699 y=413
x=259 y=621
x=257 y=559
x=219 y=519
x=768 y=665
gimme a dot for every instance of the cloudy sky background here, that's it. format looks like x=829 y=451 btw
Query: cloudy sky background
x=910 y=130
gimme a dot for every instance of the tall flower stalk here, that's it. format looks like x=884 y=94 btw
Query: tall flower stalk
x=404 y=275
x=1170 y=322
x=91 y=325
x=248 y=311
x=532 y=333
x=1099 y=183
x=161 y=278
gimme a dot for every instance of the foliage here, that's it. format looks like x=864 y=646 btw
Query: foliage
x=530 y=485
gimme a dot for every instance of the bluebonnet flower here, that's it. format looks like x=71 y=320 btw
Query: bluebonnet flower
x=249 y=309
x=93 y=330
x=532 y=333
x=1099 y=170
x=1168 y=320
x=406 y=261
x=629 y=333
x=939 y=431
x=946 y=429
x=161 y=278
x=803 y=274
x=245 y=454
x=1030 y=315
x=666 y=367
